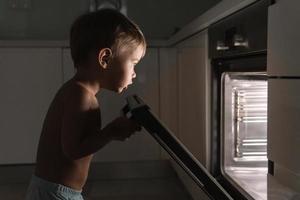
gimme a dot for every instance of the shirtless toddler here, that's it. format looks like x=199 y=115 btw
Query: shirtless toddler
x=105 y=47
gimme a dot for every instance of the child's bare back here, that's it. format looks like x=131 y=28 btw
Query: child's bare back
x=56 y=160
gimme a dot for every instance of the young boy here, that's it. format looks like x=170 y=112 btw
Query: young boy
x=105 y=47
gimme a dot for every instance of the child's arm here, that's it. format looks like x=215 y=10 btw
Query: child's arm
x=119 y=129
x=81 y=134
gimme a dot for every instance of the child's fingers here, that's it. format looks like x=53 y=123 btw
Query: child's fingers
x=136 y=126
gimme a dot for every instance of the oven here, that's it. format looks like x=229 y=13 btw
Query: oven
x=237 y=51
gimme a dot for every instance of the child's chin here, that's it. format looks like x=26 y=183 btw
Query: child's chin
x=120 y=90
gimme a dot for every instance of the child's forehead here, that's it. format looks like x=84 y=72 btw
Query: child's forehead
x=136 y=52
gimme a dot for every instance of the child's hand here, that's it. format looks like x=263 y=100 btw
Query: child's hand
x=122 y=128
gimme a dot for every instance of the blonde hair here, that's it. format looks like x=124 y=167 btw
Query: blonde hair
x=105 y=28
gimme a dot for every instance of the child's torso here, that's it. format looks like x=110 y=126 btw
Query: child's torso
x=52 y=164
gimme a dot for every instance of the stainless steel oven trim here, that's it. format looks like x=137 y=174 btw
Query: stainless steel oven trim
x=222 y=163
x=256 y=76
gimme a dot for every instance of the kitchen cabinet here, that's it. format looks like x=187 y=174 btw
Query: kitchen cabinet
x=192 y=113
x=283 y=38
x=168 y=88
x=284 y=118
x=283 y=96
x=284 y=128
x=29 y=79
x=192 y=95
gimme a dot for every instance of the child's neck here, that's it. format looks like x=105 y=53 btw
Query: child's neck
x=88 y=80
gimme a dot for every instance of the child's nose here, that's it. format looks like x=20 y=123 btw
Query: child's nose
x=133 y=75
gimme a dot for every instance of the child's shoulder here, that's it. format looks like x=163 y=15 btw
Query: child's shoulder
x=77 y=92
x=76 y=89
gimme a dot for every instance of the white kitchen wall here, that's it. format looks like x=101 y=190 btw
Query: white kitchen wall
x=29 y=79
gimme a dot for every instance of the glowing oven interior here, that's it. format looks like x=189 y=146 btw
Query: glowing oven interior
x=244 y=131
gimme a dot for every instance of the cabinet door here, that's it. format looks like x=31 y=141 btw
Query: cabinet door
x=284 y=38
x=140 y=146
x=193 y=104
x=29 y=79
x=284 y=126
x=168 y=88
x=192 y=93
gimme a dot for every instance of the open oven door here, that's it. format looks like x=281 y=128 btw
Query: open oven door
x=141 y=113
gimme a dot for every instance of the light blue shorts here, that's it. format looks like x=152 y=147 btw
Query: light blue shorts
x=40 y=189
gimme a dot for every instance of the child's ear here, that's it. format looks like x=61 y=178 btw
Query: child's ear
x=104 y=57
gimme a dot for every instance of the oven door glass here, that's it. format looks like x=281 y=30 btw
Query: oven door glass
x=244 y=131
